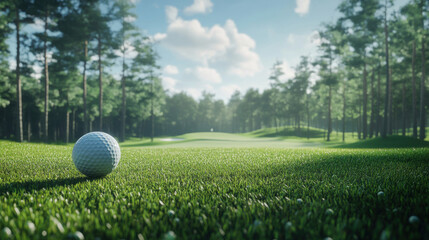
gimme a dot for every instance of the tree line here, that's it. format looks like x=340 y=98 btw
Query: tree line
x=368 y=76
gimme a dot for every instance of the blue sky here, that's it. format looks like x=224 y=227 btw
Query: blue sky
x=220 y=46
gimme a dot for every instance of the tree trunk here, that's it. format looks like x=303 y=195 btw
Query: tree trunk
x=55 y=132
x=329 y=114
x=39 y=130
x=308 y=119
x=391 y=117
x=365 y=103
x=275 y=122
x=19 y=134
x=359 y=119
x=414 y=107
x=422 y=134
x=152 y=117
x=299 y=124
x=85 y=111
x=344 y=111
x=403 y=107
x=100 y=82
x=386 y=104
x=378 y=128
x=46 y=76
x=123 y=95
x=74 y=125
x=372 y=118
x=28 y=128
x=67 y=126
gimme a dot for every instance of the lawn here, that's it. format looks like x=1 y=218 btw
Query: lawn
x=217 y=186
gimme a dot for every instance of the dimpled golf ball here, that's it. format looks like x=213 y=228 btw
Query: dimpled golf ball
x=96 y=154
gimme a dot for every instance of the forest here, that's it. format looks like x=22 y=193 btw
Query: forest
x=368 y=77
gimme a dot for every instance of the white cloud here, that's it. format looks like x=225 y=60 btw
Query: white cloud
x=40 y=57
x=170 y=84
x=191 y=40
x=130 y=51
x=227 y=90
x=195 y=93
x=93 y=58
x=203 y=74
x=12 y=64
x=37 y=71
x=158 y=37
x=314 y=77
x=171 y=13
x=38 y=25
x=209 y=88
x=221 y=47
x=302 y=7
x=171 y=70
x=288 y=71
x=199 y=6
x=130 y=19
x=239 y=58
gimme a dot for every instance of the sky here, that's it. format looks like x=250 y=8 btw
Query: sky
x=220 y=46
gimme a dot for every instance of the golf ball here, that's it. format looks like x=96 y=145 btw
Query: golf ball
x=96 y=154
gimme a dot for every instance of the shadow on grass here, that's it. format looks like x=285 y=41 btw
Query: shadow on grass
x=232 y=141
x=28 y=186
x=157 y=143
x=290 y=132
x=387 y=142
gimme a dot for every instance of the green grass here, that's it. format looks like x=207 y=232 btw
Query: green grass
x=388 y=142
x=216 y=192
x=290 y=133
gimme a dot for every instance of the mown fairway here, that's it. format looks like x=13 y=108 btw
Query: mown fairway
x=216 y=193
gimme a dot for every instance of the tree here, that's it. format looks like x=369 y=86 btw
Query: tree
x=361 y=15
x=276 y=84
x=297 y=87
x=250 y=108
x=125 y=34
x=206 y=112
x=410 y=29
x=144 y=69
x=329 y=41
x=422 y=134
x=98 y=22
x=388 y=83
x=180 y=113
x=13 y=11
x=233 y=104
x=47 y=11
x=77 y=34
x=6 y=88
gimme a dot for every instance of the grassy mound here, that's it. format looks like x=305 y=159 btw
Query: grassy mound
x=388 y=142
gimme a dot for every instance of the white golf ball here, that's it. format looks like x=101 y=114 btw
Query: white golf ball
x=96 y=154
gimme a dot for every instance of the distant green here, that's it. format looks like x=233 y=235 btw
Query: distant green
x=234 y=192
